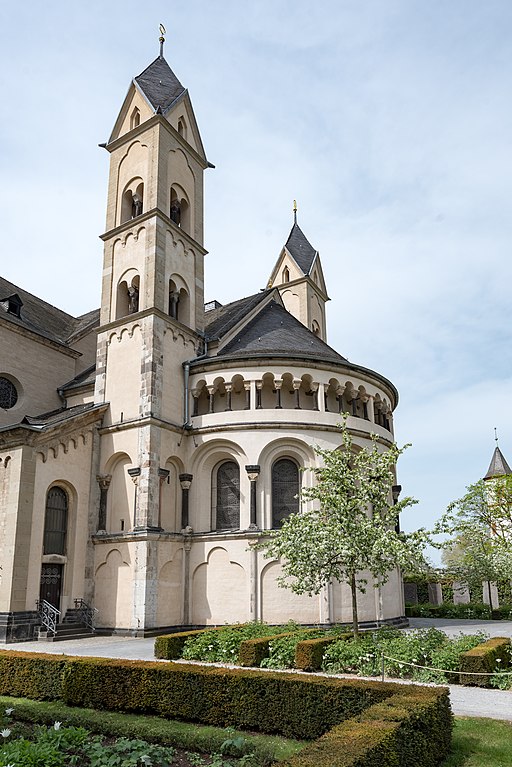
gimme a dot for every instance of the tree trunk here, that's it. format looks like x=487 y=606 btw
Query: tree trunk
x=489 y=592
x=353 y=589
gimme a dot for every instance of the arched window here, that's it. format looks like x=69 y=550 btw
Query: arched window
x=135 y=119
x=226 y=496
x=55 y=521
x=285 y=490
x=286 y=274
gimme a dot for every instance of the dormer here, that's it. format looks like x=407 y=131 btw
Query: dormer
x=12 y=305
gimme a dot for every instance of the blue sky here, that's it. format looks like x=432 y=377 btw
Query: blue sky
x=391 y=125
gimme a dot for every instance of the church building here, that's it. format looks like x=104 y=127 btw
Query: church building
x=146 y=447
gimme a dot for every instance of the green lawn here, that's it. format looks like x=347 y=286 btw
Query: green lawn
x=481 y=743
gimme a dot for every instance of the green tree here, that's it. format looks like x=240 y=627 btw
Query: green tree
x=349 y=524
x=479 y=524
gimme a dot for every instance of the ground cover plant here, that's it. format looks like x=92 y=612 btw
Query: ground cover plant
x=282 y=649
x=32 y=736
x=423 y=647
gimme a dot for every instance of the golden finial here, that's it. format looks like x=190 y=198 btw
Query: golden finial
x=161 y=39
x=295 y=211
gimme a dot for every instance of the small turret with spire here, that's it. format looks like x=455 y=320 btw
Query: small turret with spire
x=498 y=466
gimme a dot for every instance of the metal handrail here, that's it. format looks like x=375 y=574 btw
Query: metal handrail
x=86 y=612
x=48 y=614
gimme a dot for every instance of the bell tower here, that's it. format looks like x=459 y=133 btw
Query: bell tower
x=152 y=287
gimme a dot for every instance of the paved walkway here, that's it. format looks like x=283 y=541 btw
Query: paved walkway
x=466 y=701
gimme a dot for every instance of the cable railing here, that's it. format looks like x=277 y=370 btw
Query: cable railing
x=452 y=671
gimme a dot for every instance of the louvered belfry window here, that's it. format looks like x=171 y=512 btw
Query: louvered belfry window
x=285 y=490
x=55 y=523
x=227 y=496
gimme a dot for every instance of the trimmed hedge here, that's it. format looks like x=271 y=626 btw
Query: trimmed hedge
x=310 y=652
x=170 y=646
x=285 y=703
x=483 y=659
x=253 y=651
x=408 y=728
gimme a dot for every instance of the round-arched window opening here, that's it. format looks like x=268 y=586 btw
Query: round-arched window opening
x=8 y=394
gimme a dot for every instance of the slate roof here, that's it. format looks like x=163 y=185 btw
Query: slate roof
x=498 y=466
x=87 y=376
x=160 y=85
x=220 y=321
x=44 y=319
x=300 y=248
x=276 y=332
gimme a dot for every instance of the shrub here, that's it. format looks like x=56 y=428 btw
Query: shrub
x=309 y=653
x=490 y=656
x=255 y=652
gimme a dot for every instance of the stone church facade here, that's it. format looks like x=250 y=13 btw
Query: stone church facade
x=145 y=447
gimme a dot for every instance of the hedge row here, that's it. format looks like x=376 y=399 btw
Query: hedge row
x=485 y=658
x=310 y=652
x=288 y=704
x=170 y=646
x=463 y=611
x=253 y=651
x=412 y=727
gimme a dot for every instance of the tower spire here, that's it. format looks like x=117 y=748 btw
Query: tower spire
x=161 y=40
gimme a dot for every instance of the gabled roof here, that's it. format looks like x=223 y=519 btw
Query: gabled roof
x=276 y=332
x=299 y=247
x=498 y=466
x=44 y=319
x=219 y=321
x=57 y=416
x=160 y=85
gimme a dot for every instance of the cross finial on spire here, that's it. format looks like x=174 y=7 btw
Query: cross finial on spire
x=295 y=211
x=162 y=40
x=496 y=436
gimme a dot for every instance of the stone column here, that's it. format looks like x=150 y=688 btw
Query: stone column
x=339 y=396
x=253 y=472
x=247 y=388
x=185 y=482
x=297 y=383
x=229 y=389
x=314 y=389
x=370 y=406
x=163 y=475
x=187 y=545
x=195 y=405
x=253 y=582
x=135 y=474
x=325 y=388
x=259 y=387
x=211 y=392
x=104 y=483
x=277 y=385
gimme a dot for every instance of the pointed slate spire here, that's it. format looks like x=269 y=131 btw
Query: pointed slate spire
x=498 y=466
x=299 y=247
x=160 y=85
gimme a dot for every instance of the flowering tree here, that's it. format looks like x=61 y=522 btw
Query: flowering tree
x=480 y=528
x=349 y=526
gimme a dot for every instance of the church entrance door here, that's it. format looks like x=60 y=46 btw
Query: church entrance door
x=51 y=583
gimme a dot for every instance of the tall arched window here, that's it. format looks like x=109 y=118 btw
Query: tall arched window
x=285 y=490
x=55 y=521
x=226 y=496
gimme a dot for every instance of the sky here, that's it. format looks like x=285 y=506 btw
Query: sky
x=389 y=122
